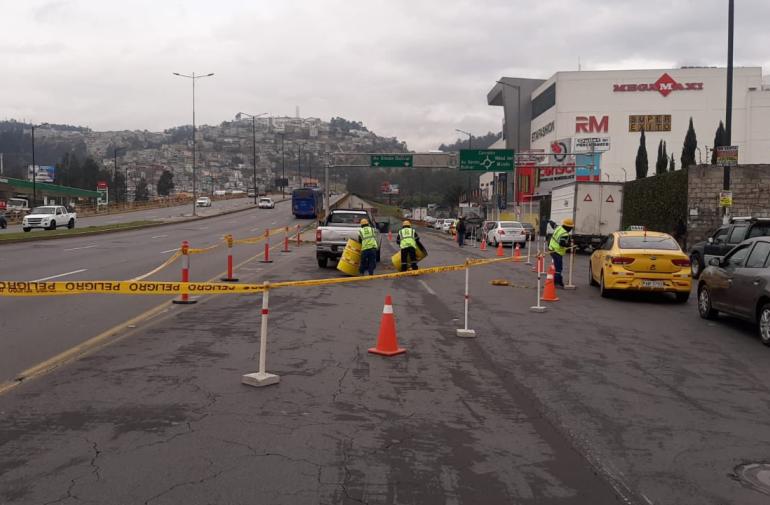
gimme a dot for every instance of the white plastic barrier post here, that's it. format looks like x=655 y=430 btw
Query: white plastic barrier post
x=262 y=378
x=571 y=265
x=465 y=332
x=540 y=262
x=529 y=247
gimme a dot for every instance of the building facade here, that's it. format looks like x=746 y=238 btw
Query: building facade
x=588 y=123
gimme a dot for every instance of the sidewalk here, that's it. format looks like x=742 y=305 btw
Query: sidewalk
x=161 y=417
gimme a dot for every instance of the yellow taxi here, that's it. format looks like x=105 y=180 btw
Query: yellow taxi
x=640 y=260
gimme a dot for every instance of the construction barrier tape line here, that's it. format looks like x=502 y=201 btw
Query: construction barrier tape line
x=59 y=288
x=163 y=265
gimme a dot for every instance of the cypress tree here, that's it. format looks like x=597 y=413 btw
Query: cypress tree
x=688 y=149
x=671 y=163
x=642 y=164
x=719 y=140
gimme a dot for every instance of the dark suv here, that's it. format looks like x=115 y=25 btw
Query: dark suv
x=725 y=238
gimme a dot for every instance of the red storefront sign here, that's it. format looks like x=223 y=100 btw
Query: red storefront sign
x=664 y=85
x=589 y=124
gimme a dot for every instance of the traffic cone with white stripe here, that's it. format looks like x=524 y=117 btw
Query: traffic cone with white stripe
x=549 y=290
x=387 y=343
x=483 y=246
x=500 y=249
x=517 y=255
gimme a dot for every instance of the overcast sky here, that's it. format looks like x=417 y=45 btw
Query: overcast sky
x=415 y=69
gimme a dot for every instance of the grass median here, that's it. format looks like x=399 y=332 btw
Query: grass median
x=21 y=236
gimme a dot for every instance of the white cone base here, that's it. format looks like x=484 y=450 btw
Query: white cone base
x=570 y=287
x=537 y=309
x=466 y=333
x=260 y=379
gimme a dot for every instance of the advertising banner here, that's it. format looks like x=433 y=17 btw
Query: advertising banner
x=727 y=156
x=585 y=145
x=44 y=173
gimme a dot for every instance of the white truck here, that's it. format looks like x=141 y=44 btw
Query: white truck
x=49 y=217
x=595 y=207
x=342 y=224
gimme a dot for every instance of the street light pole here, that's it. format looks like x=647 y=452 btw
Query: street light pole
x=193 y=77
x=470 y=146
x=34 y=175
x=253 y=146
x=299 y=163
x=283 y=167
x=729 y=104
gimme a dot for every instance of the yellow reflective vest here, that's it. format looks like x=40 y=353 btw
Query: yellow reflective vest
x=366 y=234
x=406 y=236
x=554 y=245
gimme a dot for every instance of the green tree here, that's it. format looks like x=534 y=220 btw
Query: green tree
x=661 y=161
x=642 y=164
x=165 y=183
x=689 y=147
x=142 y=192
x=671 y=163
x=118 y=188
x=719 y=140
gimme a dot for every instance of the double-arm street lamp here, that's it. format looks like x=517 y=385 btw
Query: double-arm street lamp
x=470 y=146
x=253 y=145
x=193 y=78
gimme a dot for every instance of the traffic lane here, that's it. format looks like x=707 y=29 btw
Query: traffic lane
x=150 y=416
x=157 y=214
x=664 y=401
x=40 y=328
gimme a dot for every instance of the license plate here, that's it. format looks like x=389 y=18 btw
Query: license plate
x=653 y=284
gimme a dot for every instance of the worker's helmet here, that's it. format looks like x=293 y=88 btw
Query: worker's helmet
x=406 y=223
x=568 y=222
x=364 y=221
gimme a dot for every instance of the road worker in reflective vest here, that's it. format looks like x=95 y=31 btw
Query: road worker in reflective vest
x=407 y=239
x=560 y=241
x=368 y=240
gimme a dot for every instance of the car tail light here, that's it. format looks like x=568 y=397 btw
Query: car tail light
x=502 y=232
x=318 y=235
x=681 y=262
x=622 y=260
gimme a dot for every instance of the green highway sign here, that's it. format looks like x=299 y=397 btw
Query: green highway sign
x=487 y=160
x=391 y=160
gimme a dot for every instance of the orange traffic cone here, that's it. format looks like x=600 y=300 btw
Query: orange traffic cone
x=390 y=236
x=517 y=255
x=549 y=290
x=387 y=344
x=499 y=249
x=483 y=246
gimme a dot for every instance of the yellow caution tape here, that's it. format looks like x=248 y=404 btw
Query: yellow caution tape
x=163 y=265
x=203 y=250
x=24 y=288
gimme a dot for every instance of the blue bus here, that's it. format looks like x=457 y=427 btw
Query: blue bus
x=306 y=202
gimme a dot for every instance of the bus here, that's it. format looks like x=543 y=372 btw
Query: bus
x=306 y=202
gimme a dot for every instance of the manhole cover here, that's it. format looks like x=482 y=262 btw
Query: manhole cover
x=756 y=475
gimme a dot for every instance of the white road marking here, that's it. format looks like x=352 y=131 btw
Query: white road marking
x=79 y=248
x=428 y=288
x=60 y=275
x=203 y=228
x=160 y=236
x=170 y=250
x=274 y=222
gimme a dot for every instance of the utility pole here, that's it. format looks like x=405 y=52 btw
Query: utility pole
x=470 y=146
x=283 y=166
x=299 y=163
x=34 y=171
x=729 y=101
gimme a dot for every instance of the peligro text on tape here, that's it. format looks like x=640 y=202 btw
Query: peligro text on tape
x=24 y=288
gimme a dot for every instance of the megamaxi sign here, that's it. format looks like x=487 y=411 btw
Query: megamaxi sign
x=664 y=85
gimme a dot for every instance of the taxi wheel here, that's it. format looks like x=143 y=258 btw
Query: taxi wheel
x=764 y=324
x=705 y=309
x=591 y=280
x=695 y=265
x=602 y=288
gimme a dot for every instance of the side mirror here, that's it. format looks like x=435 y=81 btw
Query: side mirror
x=715 y=262
x=710 y=240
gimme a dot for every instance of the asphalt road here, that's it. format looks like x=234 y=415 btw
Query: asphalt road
x=179 y=213
x=37 y=329
x=628 y=400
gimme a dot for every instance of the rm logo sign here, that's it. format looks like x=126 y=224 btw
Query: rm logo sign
x=589 y=124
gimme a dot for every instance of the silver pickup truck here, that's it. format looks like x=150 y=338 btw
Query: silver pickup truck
x=342 y=224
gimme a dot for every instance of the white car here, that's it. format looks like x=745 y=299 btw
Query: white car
x=506 y=233
x=203 y=201
x=430 y=220
x=266 y=203
x=447 y=225
x=48 y=217
x=437 y=225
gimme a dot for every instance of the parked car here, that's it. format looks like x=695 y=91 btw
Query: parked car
x=332 y=235
x=725 y=238
x=447 y=225
x=505 y=232
x=203 y=201
x=438 y=224
x=266 y=203
x=738 y=284
x=530 y=230
x=430 y=220
x=473 y=226
x=640 y=261
x=251 y=193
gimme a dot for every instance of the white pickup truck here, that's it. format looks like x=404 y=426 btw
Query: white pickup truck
x=342 y=224
x=49 y=217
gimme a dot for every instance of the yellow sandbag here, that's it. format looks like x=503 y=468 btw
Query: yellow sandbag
x=420 y=253
x=351 y=258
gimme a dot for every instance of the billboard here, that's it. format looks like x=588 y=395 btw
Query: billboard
x=43 y=173
x=585 y=145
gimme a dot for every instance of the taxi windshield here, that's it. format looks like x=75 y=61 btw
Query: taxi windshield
x=659 y=243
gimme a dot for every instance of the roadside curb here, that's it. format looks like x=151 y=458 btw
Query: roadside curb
x=127 y=228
